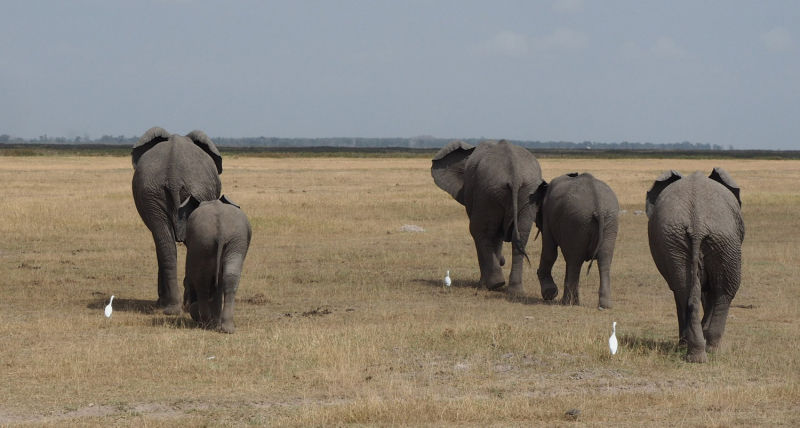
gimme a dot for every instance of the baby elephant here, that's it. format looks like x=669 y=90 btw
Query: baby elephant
x=217 y=239
x=579 y=214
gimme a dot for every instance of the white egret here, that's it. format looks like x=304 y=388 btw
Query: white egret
x=612 y=341
x=108 y=307
x=447 y=280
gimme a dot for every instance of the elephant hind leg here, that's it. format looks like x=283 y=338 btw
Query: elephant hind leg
x=572 y=283
x=169 y=296
x=545 y=271
x=491 y=271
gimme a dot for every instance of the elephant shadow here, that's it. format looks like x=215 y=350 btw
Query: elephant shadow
x=660 y=346
x=140 y=306
x=438 y=283
x=180 y=322
x=476 y=285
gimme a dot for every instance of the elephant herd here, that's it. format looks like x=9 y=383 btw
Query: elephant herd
x=695 y=228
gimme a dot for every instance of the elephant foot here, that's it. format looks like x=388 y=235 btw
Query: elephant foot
x=227 y=327
x=605 y=303
x=566 y=301
x=549 y=293
x=493 y=283
x=515 y=290
x=712 y=347
x=173 y=309
x=697 y=357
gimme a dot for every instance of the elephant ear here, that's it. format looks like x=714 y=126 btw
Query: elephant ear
x=200 y=139
x=184 y=211
x=721 y=176
x=536 y=198
x=224 y=199
x=447 y=169
x=150 y=138
x=665 y=179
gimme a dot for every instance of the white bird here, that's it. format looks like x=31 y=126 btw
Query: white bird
x=108 y=307
x=447 y=280
x=612 y=341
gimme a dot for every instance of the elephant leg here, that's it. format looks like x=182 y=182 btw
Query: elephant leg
x=716 y=325
x=545 y=271
x=695 y=342
x=231 y=284
x=680 y=309
x=572 y=282
x=215 y=309
x=202 y=305
x=491 y=271
x=719 y=303
x=169 y=293
x=604 y=258
x=515 y=278
x=499 y=252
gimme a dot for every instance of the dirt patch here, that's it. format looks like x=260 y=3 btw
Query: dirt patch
x=258 y=299
x=317 y=312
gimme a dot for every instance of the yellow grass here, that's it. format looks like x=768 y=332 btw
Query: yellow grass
x=342 y=320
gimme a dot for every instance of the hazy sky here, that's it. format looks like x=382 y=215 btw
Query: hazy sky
x=719 y=72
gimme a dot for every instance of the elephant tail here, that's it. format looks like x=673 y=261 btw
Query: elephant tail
x=517 y=240
x=694 y=286
x=218 y=268
x=601 y=225
x=173 y=202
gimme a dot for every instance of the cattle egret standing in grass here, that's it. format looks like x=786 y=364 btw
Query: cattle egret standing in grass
x=612 y=341
x=108 y=307
x=447 y=280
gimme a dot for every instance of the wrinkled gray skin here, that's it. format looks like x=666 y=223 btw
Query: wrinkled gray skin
x=696 y=233
x=217 y=238
x=496 y=182
x=168 y=168
x=579 y=214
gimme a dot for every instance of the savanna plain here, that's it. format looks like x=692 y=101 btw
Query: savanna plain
x=342 y=319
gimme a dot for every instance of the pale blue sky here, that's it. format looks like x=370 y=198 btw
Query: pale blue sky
x=718 y=72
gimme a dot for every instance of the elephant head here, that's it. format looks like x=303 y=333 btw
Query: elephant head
x=157 y=135
x=668 y=177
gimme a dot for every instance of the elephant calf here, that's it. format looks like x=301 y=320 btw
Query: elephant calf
x=579 y=214
x=696 y=232
x=217 y=238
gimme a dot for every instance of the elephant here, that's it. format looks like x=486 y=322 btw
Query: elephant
x=217 y=239
x=168 y=168
x=695 y=229
x=496 y=182
x=579 y=213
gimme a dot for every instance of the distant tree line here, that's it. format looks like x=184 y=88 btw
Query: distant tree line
x=423 y=142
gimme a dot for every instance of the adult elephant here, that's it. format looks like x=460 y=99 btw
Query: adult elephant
x=496 y=182
x=579 y=214
x=168 y=168
x=696 y=232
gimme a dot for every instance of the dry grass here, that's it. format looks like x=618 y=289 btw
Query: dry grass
x=340 y=322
